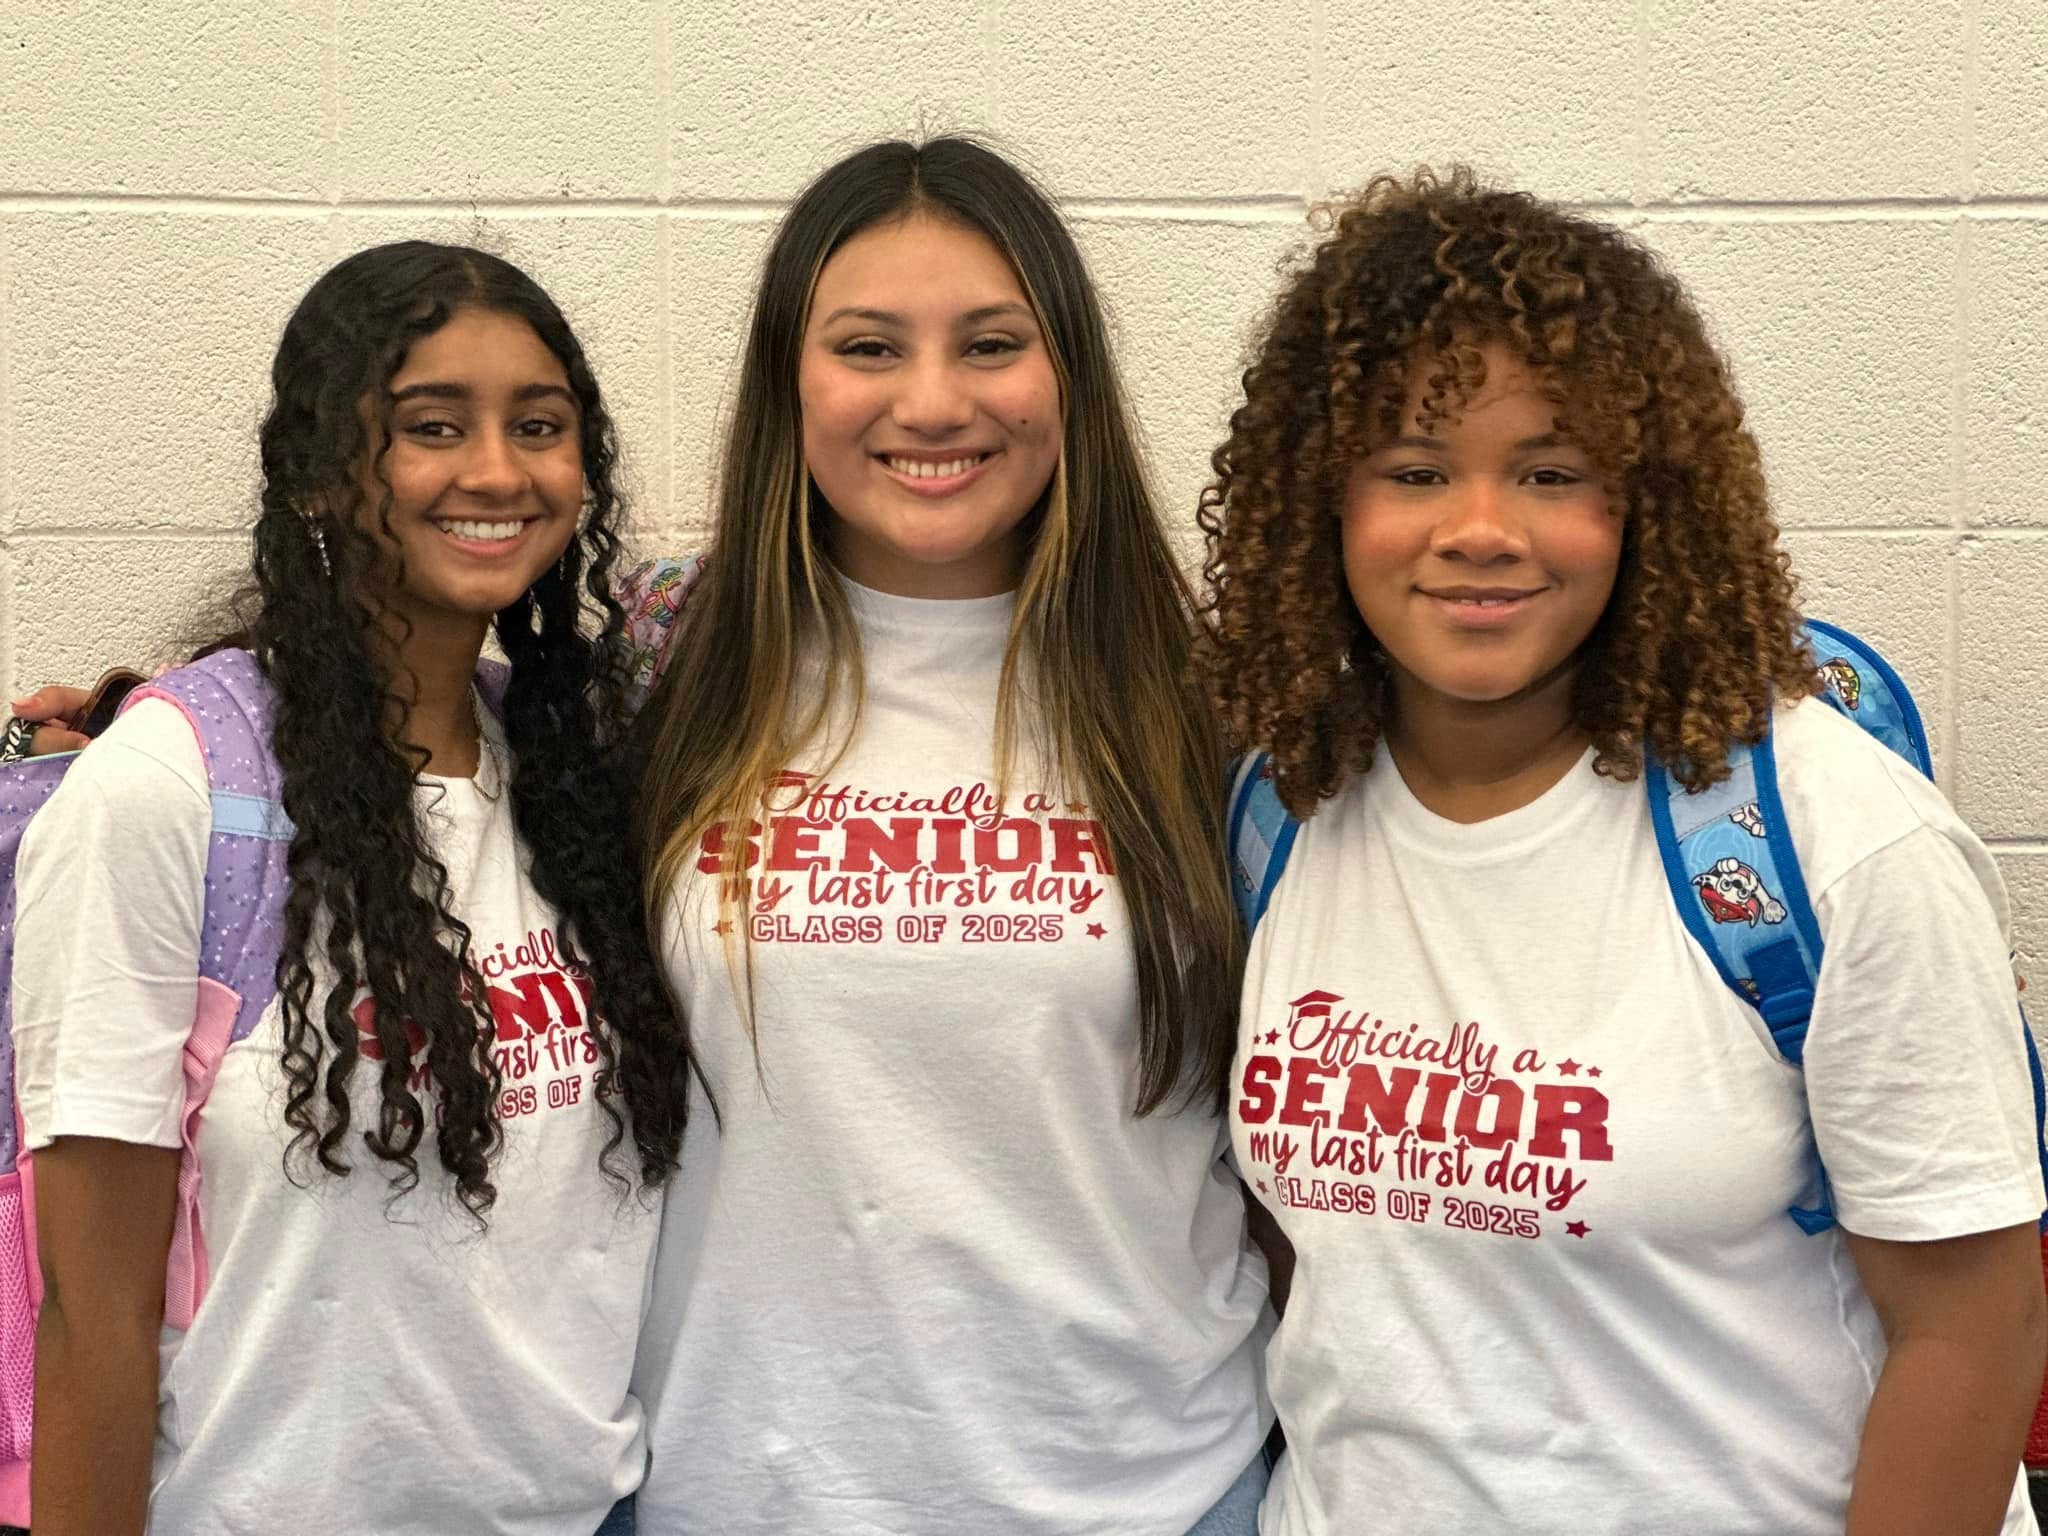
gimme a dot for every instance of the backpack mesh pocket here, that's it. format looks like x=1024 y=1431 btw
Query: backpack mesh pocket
x=17 y=1326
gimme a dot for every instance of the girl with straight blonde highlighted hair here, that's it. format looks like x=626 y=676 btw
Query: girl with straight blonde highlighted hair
x=931 y=814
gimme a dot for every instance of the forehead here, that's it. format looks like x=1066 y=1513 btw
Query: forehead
x=917 y=266
x=479 y=347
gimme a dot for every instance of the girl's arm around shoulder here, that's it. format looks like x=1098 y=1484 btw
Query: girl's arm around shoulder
x=109 y=901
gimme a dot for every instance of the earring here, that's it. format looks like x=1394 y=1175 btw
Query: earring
x=320 y=547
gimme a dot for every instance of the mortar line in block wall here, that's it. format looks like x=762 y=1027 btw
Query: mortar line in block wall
x=664 y=106
x=1973 y=44
x=169 y=533
x=665 y=366
x=6 y=422
x=1255 y=208
x=2016 y=844
x=1639 y=145
x=1318 y=90
x=330 y=102
x=989 y=35
x=1959 y=376
x=1950 y=761
x=1922 y=531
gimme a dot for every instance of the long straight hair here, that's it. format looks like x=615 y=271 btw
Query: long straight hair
x=1095 y=674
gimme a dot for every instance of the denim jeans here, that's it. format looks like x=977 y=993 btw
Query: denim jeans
x=1237 y=1512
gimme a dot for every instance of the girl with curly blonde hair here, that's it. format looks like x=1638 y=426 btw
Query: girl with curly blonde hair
x=1488 y=543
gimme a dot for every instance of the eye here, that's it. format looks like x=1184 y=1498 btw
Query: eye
x=431 y=429
x=865 y=348
x=1417 y=475
x=994 y=346
x=1553 y=478
x=538 y=426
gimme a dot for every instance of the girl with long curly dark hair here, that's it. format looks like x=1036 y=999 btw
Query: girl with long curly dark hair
x=1488 y=543
x=427 y=1213
x=931 y=819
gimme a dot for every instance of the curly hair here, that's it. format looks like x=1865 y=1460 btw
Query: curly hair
x=1699 y=636
x=369 y=902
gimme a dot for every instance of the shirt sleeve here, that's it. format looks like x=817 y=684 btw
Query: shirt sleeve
x=109 y=902
x=1916 y=1068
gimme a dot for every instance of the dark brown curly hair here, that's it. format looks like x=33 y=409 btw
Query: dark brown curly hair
x=1699 y=636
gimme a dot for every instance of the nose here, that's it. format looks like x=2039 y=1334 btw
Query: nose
x=1479 y=524
x=492 y=466
x=932 y=399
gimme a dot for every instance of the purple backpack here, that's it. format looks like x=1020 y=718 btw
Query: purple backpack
x=228 y=701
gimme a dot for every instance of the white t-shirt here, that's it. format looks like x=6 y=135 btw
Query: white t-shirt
x=1535 y=1158
x=933 y=1277
x=355 y=1365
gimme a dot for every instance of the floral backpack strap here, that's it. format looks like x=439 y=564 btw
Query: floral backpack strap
x=652 y=593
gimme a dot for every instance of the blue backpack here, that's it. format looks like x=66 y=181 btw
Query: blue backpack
x=1726 y=850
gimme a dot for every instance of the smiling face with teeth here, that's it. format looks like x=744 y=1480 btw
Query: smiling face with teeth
x=485 y=469
x=1481 y=550
x=931 y=409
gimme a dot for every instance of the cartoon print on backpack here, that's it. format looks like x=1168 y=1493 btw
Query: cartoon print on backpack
x=1732 y=892
x=1843 y=681
x=1749 y=817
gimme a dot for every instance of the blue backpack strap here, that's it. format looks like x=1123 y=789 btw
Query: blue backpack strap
x=1862 y=685
x=1259 y=835
x=1729 y=860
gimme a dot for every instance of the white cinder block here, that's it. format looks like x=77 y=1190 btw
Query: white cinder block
x=164 y=96
x=714 y=266
x=2011 y=137
x=606 y=276
x=2002 y=675
x=475 y=100
x=1803 y=100
x=1183 y=300
x=1540 y=94
x=138 y=351
x=2026 y=888
x=81 y=605
x=1153 y=99
x=1843 y=341
x=2006 y=383
x=766 y=96
x=1893 y=591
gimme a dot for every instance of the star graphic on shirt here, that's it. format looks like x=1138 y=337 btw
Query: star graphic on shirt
x=1568 y=1067
x=1096 y=930
x=1077 y=807
x=1272 y=1037
x=722 y=927
x=1262 y=1187
x=1576 y=1228
x=1592 y=1071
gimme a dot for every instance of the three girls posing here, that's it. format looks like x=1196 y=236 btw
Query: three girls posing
x=958 y=1253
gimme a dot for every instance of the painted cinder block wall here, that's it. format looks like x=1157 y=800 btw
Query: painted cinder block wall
x=1858 y=192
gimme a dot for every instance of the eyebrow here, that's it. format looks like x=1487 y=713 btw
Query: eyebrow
x=1526 y=445
x=434 y=390
x=891 y=317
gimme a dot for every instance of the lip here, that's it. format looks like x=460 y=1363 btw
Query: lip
x=484 y=549
x=936 y=486
x=1472 y=607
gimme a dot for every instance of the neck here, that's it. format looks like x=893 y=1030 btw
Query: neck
x=433 y=669
x=1470 y=762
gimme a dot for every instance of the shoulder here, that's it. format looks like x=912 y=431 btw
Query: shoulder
x=138 y=793
x=151 y=754
x=1849 y=798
